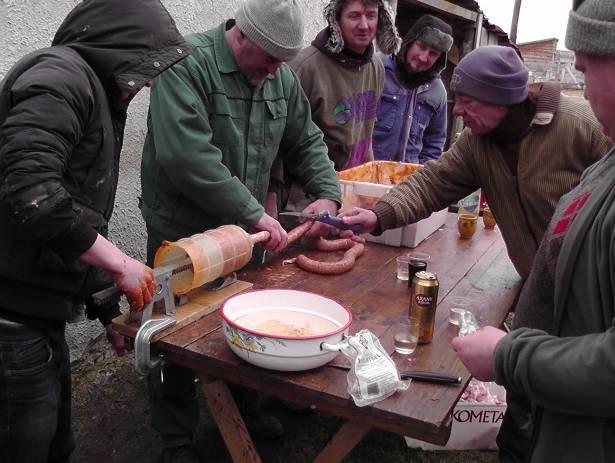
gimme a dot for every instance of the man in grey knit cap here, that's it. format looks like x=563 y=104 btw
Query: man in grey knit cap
x=411 y=123
x=525 y=146
x=561 y=357
x=215 y=126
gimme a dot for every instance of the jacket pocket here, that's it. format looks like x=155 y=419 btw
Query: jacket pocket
x=226 y=119
x=27 y=358
x=423 y=114
x=275 y=121
x=387 y=112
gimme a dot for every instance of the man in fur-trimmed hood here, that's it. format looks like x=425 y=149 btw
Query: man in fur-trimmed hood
x=412 y=87
x=343 y=79
x=387 y=38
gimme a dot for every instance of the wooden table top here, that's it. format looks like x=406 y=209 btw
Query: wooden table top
x=478 y=269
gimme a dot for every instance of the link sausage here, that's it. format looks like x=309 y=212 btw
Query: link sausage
x=299 y=231
x=334 y=245
x=332 y=268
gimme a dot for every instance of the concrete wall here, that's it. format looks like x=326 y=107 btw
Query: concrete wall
x=30 y=24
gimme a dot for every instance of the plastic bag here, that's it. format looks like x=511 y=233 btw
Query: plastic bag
x=373 y=375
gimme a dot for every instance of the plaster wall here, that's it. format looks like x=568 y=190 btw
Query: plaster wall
x=30 y=24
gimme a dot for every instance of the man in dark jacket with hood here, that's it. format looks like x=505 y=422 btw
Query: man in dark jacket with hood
x=411 y=124
x=62 y=118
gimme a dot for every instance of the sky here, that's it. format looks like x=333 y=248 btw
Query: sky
x=538 y=19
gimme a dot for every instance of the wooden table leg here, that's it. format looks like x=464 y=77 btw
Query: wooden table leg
x=230 y=423
x=344 y=440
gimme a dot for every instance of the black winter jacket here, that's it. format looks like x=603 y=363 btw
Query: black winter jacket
x=62 y=118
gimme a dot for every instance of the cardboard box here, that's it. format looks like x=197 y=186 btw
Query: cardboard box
x=475 y=425
x=363 y=185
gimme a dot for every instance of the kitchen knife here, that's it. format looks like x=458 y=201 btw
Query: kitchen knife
x=430 y=376
x=329 y=219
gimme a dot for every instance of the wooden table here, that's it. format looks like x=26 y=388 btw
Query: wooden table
x=478 y=269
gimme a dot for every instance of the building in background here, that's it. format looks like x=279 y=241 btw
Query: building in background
x=546 y=62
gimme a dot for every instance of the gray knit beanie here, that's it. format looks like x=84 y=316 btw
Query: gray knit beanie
x=591 y=27
x=491 y=74
x=387 y=37
x=275 y=26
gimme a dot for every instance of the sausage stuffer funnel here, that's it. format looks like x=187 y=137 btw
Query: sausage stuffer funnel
x=188 y=263
x=180 y=266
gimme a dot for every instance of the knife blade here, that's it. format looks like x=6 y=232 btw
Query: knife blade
x=325 y=217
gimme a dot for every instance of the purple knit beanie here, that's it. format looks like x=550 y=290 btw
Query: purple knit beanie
x=492 y=74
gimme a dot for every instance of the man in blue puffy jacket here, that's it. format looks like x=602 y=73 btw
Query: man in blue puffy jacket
x=411 y=125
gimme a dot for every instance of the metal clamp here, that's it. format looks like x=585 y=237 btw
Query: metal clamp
x=162 y=293
x=143 y=361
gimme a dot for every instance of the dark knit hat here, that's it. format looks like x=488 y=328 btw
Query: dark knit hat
x=492 y=74
x=434 y=32
x=387 y=37
x=275 y=26
x=591 y=27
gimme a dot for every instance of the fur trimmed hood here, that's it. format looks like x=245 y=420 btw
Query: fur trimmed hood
x=387 y=37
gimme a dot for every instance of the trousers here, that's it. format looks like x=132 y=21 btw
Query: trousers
x=35 y=395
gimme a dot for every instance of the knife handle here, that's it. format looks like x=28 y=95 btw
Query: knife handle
x=430 y=376
x=338 y=223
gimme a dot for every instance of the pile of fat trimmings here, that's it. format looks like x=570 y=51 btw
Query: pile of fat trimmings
x=478 y=392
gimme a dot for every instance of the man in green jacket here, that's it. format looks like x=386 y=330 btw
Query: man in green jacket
x=561 y=356
x=215 y=126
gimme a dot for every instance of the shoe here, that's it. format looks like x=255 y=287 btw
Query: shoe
x=264 y=425
x=181 y=454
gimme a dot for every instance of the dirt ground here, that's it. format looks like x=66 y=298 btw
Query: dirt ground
x=112 y=424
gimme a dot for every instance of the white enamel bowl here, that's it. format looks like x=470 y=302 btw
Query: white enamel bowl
x=284 y=353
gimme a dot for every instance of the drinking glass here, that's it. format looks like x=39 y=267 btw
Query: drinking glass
x=403 y=263
x=458 y=305
x=406 y=335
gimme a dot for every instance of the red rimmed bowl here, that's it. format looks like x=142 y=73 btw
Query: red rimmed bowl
x=283 y=329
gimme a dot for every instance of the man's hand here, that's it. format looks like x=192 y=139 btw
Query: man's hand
x=278 y=238
x=116 y=340
x=364 y=217
x=318 y=206
x=476 y=351
x=136 y=281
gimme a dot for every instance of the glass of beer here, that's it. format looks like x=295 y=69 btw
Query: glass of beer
x=466 y=224
x=488 y=219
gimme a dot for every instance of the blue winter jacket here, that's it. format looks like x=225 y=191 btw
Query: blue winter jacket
x=416 y=139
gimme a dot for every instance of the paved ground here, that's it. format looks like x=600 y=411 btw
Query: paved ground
x=111 y=421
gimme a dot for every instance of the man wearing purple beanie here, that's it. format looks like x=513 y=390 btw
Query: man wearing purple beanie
x=525 y=146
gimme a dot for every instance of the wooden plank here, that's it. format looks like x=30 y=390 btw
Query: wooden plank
x=201 y=302
x=442 y=6
x=229 y=420
x=344 y=440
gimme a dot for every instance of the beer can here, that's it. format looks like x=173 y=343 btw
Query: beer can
x=423 y=302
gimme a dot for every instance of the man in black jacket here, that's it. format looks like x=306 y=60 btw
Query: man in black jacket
x=62 y=118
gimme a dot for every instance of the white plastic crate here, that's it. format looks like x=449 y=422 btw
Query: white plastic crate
x=362 y=186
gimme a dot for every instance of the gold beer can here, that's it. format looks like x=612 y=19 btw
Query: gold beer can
x=423 y=302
